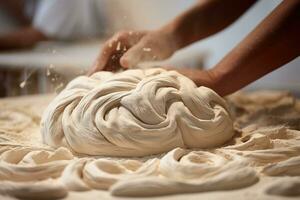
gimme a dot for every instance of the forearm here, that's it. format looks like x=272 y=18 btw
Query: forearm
x=16 y=9
x=23 y=38
x=206 y=18
x=273 y=43
x=200 y=77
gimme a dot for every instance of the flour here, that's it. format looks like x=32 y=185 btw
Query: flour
x=260 y=161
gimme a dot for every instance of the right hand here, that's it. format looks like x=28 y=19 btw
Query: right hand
x=128 y=48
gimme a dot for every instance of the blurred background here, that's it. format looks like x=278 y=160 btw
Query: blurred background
x=44 y=44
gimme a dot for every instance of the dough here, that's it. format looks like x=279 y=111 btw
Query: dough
x=136 y=113
x=262 y=161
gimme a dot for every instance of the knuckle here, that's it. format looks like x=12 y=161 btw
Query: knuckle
x=117 y=35
x=106 y=45
x=121 y=35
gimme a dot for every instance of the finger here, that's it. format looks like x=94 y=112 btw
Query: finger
x=115 y=44
x=137 y=54
x=97 y=66
x=91 y=71
x=113 y=50
x=114 y=62
x=107 y=51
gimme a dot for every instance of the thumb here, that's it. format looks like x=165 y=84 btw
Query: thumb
x=135 y=55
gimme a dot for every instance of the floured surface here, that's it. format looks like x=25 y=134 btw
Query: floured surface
x=261 y=162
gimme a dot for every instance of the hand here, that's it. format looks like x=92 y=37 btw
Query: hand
x=209 y=78
x=126 y=49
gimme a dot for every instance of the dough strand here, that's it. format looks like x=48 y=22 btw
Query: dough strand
x=136 y=113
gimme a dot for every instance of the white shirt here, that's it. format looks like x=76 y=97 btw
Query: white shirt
x=68 y=19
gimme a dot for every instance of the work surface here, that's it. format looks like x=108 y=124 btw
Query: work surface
x=267 y=136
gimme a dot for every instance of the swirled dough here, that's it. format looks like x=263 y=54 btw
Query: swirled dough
x=136 y=113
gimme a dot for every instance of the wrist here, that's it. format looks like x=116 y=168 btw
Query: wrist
x=213 y=79
x=173 y=35
x=220 y=83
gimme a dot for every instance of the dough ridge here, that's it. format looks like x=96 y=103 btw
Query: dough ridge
x=136 y=113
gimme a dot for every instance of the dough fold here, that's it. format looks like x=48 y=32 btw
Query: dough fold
x=136 y=113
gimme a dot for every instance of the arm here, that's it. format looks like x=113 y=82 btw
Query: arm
x=127 y=49
x=27 y=36
x=16 y=9
x=273 y=43
x=22 y=38
x=205 y=19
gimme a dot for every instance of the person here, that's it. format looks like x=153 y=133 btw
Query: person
x=61 y=20
x=273 y=43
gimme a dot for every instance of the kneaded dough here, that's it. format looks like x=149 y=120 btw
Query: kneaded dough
x=136 y=113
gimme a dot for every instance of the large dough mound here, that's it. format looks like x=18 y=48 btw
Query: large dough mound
x=135 y=113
